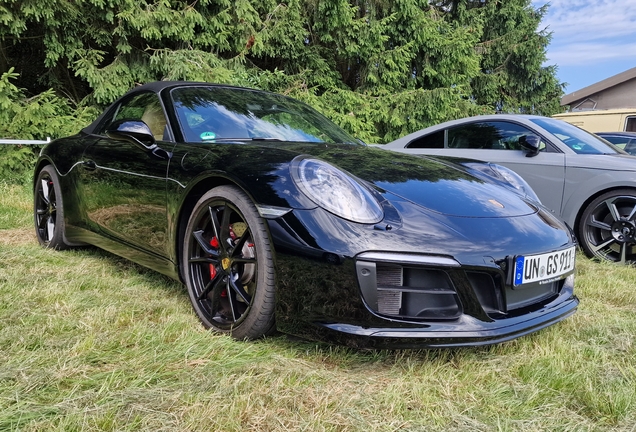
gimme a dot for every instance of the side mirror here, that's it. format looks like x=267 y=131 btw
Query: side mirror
x=134 y=131
x=530 y=143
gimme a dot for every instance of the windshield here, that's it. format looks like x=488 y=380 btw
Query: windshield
x=579 y=140
x=211 y=114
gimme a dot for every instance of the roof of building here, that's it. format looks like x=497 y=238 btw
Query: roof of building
x=599 y=86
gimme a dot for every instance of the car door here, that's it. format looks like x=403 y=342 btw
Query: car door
x=125 y=185
x=499 y=142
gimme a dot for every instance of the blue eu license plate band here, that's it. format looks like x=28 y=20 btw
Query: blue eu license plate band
x=544 y=268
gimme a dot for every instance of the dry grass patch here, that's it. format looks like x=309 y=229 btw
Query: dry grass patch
x=17 y=236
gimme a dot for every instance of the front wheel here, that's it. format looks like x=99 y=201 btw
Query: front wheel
x=48 y=209
x=228 y=265
x=607 y=229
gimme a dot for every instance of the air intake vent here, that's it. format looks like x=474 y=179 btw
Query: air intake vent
x=389 y=275
x=408 y=292
x=389 y=301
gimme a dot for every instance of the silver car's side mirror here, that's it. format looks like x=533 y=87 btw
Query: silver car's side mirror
x=530 y=143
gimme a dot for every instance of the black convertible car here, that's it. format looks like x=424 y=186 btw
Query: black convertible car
x=276 y=219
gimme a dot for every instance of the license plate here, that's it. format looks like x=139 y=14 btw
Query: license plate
x=544 y=268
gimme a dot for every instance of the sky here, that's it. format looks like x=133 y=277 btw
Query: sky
x=591 y=40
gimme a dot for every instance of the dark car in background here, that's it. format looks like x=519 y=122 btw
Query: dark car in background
x=276 y=219
x=585 y=180
x=623 y=140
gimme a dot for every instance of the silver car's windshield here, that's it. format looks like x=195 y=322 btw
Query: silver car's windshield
x=579 y=140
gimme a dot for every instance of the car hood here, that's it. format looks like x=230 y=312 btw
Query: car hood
x=438 y=186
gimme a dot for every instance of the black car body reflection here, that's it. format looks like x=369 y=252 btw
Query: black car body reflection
x=275 y=219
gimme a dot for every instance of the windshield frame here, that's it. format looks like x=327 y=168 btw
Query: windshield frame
x=211 y=113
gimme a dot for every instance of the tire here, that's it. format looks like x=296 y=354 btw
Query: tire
x=607 y=229
x=228 y=265
x=48 y=209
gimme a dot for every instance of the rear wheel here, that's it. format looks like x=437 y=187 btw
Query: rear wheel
x=228 y=265
x=608 y=227
x=48 y=209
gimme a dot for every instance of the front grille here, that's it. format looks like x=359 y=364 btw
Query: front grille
x=524 y=295
x=494 y=296
x=488 y=289
x=414 y=287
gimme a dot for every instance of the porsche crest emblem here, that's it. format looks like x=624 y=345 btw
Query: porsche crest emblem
x=225 y=262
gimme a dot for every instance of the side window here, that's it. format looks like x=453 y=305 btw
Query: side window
x=496 y=135
x=630 y=124
x=144 y=107
x=434 y=140
x=617 y=141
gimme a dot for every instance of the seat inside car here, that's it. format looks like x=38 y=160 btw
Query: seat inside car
x=155 y=119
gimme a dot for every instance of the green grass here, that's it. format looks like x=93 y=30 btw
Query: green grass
x=91 y=342
x=16 y=205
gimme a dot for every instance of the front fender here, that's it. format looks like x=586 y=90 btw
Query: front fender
x=581 y=188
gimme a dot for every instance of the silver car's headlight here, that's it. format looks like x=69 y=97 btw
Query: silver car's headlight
x=515 y=180
x=504 y=176
x=335 y=191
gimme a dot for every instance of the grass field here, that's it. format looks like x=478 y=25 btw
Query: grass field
x=89 y=341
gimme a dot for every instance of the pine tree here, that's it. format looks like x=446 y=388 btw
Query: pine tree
x=380 y=69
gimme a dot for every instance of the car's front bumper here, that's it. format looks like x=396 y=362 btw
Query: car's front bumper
x=466 y=331
x=325 y=302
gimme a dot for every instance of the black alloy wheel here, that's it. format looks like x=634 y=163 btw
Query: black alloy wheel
x=608 y=227
x=48 y=210
x=228 y=265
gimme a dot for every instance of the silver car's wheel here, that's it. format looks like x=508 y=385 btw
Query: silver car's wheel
x=228 y=265
x=608 y=227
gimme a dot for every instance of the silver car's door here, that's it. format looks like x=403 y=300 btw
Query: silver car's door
x=501 y=142
x=545 y=172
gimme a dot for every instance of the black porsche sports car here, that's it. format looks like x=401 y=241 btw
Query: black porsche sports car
x=276 y=219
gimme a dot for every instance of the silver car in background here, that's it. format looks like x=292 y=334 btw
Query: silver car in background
x=587 y=181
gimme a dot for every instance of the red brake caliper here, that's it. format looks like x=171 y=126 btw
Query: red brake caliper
x=215 y=244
